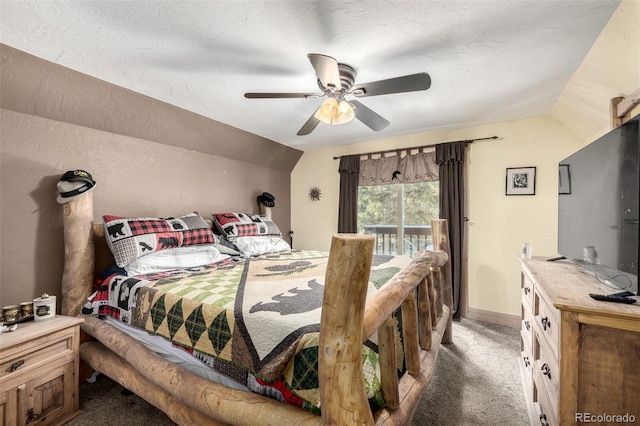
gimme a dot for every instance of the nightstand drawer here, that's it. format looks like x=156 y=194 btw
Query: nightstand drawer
x=33 y=354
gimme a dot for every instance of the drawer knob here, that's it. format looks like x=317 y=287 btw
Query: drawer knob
x=543 y=420
x=546 y=324
x=16 y=365
x=526 y=290
x=31 y=416
x=546 y=370
x=527 y=325
x=526 y=361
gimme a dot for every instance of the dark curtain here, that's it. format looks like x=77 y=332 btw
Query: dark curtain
x=349 y=170
x=450 y=158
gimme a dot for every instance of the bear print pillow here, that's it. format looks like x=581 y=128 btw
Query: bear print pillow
x=131 y=238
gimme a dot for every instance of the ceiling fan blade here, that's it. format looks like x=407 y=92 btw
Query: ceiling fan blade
x=310 y=125
x=281 y=95
x=372 y=119
x=407 y=83
x=327 y=70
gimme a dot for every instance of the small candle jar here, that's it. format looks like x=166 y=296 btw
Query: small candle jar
x=10 y=313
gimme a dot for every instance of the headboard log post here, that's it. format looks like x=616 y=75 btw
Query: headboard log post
x=77 y=278
x=264 y=210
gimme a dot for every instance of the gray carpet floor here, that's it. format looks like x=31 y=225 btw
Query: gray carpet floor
x=477 y=382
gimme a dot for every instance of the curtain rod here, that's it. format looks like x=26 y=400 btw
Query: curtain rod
x=415 y=147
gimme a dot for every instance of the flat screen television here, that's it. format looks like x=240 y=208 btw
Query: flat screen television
x=598 y=207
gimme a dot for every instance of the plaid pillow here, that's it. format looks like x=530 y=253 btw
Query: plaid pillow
x=233 y=225
x=130 y=238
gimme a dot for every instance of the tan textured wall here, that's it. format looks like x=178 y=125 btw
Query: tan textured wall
x=53 y=120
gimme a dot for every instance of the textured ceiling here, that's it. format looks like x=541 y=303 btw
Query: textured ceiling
x=489 y=61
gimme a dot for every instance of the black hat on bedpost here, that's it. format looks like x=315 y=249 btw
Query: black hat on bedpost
x=74 y=183
x=267 y=199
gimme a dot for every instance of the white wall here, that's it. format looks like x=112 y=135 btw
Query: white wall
x=498 y=224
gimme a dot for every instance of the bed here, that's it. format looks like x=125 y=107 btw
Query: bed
x=350 y=317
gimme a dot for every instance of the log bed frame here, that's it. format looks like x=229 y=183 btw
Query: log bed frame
x=422 y=290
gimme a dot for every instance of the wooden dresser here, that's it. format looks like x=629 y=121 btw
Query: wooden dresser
x=580 y=357
x=39 y=372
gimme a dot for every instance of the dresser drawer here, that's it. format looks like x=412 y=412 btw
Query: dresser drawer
x=526 y=351
x=547 y=322
x=526 y=325
x=546 y=413
x=526 y=287
x=545 y=364
x=526 y=364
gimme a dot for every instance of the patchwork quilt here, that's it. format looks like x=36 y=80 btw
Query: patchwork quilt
x=257 y=319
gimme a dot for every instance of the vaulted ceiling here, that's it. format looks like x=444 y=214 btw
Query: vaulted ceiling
x=489 y=61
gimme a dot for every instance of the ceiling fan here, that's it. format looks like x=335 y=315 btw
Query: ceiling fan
x=336 y=80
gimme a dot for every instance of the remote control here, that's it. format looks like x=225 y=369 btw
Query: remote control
x=612 y=298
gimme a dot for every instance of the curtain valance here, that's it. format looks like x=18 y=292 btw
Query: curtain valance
x=409 y=168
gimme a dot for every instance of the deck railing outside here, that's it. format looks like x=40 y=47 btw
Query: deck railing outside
x=416 y=237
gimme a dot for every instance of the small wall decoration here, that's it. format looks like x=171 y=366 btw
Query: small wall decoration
x=314 y=194
x=521 y=181
x=564 y=179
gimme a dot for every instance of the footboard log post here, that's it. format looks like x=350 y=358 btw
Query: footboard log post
x=436 y=292
x=77 y=278
x=343 y=397
x=410 y=334
x=440 y=235
x=424 y=308
x=388 y=366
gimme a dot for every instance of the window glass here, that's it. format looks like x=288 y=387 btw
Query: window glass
x=398 y=213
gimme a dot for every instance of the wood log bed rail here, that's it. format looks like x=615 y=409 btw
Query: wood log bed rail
x=422 y=290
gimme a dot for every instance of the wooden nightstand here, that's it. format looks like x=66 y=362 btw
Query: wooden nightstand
x=39 y=372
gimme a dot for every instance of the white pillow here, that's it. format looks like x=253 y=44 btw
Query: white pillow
x=174 y=258
x=255 y=246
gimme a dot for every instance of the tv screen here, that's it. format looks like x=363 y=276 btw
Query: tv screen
x=598 y=205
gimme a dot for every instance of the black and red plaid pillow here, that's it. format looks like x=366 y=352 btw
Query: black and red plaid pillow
x=233 y=225
x=130 y=238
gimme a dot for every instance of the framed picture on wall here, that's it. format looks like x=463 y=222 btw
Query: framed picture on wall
x=564 y=179
x=521 y=181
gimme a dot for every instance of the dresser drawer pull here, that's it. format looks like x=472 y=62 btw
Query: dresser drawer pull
x=546 y=324
x=16 y=365
x=527 y=325
x=543 y=420
x=526 y=290
x=31 y=416
x=546 y=370
x=526 y=361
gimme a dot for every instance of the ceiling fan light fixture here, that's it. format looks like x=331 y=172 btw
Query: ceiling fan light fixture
x=345 y=113
x=333 y=112
x=327 y=111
